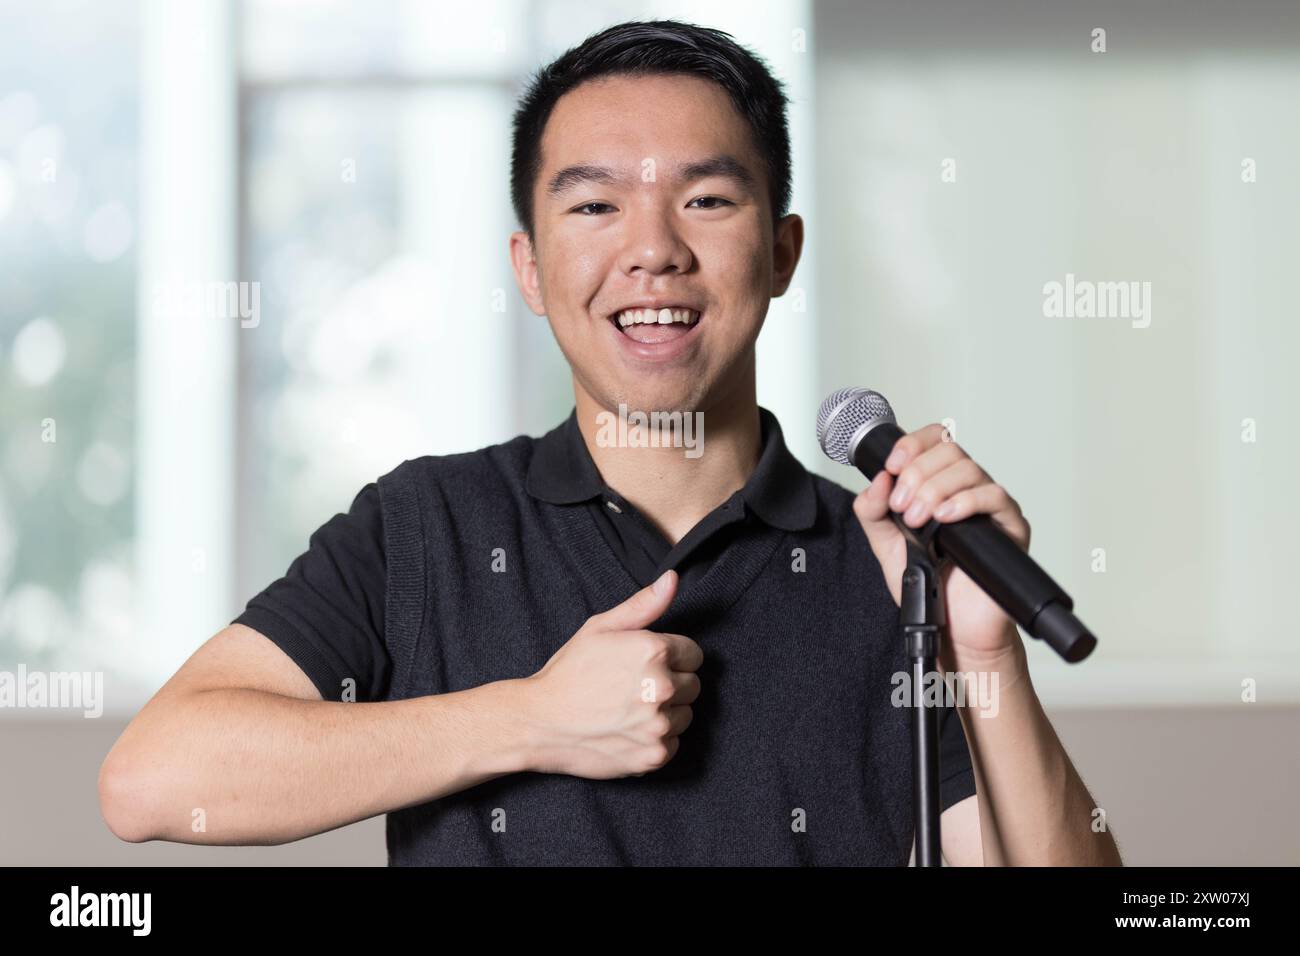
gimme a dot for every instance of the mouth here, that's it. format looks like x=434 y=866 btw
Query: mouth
x=656 y=326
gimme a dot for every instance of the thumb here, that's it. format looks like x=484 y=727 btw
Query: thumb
x=640 y=610
x=872 y=509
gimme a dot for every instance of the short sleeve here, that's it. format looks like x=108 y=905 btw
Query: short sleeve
x=327 y=612
x=956 y=774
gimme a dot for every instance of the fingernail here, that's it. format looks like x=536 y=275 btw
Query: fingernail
x=661 y=585
x=914 y=513
x=894 y=460
x=899 y=498
x=945 y=509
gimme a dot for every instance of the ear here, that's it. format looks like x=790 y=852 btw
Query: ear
x=787 y=244
x=524 y=262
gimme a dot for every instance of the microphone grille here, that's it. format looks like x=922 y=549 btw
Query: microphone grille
x=841 y=416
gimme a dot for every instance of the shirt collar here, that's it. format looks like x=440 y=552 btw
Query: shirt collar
x=780 y=490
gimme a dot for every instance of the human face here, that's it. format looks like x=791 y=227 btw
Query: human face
x=652 y=194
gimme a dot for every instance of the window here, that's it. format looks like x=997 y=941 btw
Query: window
x=68 y=221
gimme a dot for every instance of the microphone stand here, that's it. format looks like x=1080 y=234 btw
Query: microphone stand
x=921 y=619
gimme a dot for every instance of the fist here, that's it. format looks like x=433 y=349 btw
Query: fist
x=614 y=699
x=928 y=475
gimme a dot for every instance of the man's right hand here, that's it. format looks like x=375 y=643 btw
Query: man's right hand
x=612 y=701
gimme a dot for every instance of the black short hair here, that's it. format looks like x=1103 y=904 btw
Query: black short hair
x=655 y=47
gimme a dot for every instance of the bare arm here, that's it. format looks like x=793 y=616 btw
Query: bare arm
x=959 y=833
x=1033 y=809
x=242 y=735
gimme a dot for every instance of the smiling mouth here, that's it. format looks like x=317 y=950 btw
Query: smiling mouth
x=653 y=326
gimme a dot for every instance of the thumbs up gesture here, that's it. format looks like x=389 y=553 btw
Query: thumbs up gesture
x=612 y=701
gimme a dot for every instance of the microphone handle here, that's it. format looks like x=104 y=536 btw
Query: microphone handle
x=992 y=560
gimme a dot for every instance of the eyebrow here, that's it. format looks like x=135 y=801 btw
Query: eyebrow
x=720 y=165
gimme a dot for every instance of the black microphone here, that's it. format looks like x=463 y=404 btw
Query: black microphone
x=856 y=426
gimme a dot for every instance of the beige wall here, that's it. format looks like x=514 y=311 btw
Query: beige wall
x=1180 y=787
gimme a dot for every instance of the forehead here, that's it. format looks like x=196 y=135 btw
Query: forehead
x=624 y=119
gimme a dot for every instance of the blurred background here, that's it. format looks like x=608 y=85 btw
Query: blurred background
x=343 y=168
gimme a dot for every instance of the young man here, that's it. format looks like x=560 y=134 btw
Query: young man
x=576 y=650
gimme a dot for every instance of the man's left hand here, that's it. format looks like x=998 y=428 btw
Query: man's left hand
x=928 y=477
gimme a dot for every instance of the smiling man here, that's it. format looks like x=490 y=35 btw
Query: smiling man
x=572 y=650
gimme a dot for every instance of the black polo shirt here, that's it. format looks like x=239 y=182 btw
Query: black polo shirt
x=779 y=492
x=328 y=611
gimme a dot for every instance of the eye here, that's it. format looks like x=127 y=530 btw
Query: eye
x=589 y=205
x=712 y=199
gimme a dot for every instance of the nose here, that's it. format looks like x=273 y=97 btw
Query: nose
x=653 y=245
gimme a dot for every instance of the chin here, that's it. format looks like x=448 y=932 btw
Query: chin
x=652 y=399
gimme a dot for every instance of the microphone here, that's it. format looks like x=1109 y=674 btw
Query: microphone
x=856 y=426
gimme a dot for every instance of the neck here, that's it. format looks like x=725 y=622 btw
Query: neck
x=673 y=491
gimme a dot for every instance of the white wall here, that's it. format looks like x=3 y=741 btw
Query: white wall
x=1124 y=165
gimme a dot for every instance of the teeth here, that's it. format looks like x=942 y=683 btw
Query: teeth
x=657 y=317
